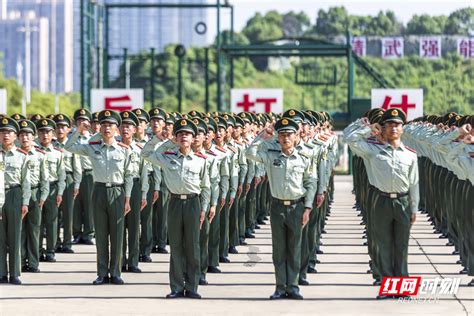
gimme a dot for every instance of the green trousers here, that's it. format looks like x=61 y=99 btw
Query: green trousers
x=204 y=245
x=250 y=211
x=146 y=224
x=308 y=242
x=183 y=224
x=469 y=227
x=242 y=200
x=160 y=218
x=215 y=236
x=109 y=204
x=286 y=245
x=83 y=221
x=131 y=234
x=224 y=229
x=10 y=233
x=49 y=220
x=65 y=214
x=234 y=224
x=391 y=234
x=30 y=232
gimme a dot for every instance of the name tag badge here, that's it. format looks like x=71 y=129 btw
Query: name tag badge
x=277 y=163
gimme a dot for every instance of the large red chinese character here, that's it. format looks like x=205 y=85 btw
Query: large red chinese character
x=392 y=47
x=400 y=286
x=267 y=102
x=404 y=105
x=110 y=100
x=430 y=48
x=246 y=104
x=358 y=46
x=466 y=48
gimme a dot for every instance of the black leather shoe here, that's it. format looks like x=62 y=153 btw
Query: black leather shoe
x=76 y=240
x=124 y=269
x=50 y=258
x=162 y=250
x=260 y=222
x=277 y=296
x=15 y=280
x=323 y=231
x=134 y=270
x=463 y=271
x=319 y=252
x=24 y=268
x=459 y=261
x=321 y=243
x=312 y=270
x=87 y=242
x=318 y=261
x=145 y=259
x=116 y=280
x=191 y=294
x=224 y=260
x=101 y=280
x=365 y=243
x=294 y=296
x=248 y=235
x=59 y=249
x=67 y=250
x=4 y=279
x=243 y=243
x=369 y=271
x=42 y=258
x=233 y=250
x=257 y=227
x=33 y=270
x=449 y=244
x=213 y=270
x=469 y=284
x=303 y=282
x=203 y=281
x=377 y=283
x=455 y=252
x=175 y=295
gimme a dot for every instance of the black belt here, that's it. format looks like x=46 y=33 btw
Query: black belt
x=69 y=172
x=9 y=187
x=183 y=196
x=53 y=183
x=87 y=170
x=34 y=187
x=393 y=195
x=108 y=185
x=288 y=202
x=136 y=179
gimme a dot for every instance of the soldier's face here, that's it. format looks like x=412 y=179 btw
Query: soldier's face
x=392 y=130
x=108 y=130
x=7 y=137
x=26 y=139
x=237 y=132
x=287 y=139
x=184 y=139
x=95 y=127
x=221 y=134
x=45 y=136
x=142 y=127
x=127 y=130
x=209 y=137
x=62 y=131
x=156 y=125
x=199 y=139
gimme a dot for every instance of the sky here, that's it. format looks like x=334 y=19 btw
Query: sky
x=404 y=9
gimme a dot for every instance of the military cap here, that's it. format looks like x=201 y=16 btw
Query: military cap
x=8 y=123
x=195 y=113
x=244 y=116
x=110 y=116
x=129 y=117
x=200 y=124
x=448 y=116
x=35 y=117
x=253 y=117
x=82 y=114
x=177 y=115
x=169 y=118
x=142 y=115
x=453 y=120
x=211 y=123
x=18 y=116
x=230 y=120
x=157 y=113
x=95 y=117
x=183 y=124
x=221 y=122
x=239 y=122
x=286 y=125
x=62 y=119
x=295 y=115
x=50 y=116
x=27 y=126
x=394 y=115
x=45 y=123
x=307 y=118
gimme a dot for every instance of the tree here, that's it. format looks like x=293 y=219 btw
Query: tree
x=460 y=22
x=295 y=24
x=425 y=24
x=333 y=22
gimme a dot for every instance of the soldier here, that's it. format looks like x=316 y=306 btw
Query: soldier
x=293 y=187
x=39 y=176
x=113 y=183
x=72 y=164
x=57 y=185
x=395 y=184
x=17 y=197
x=188 y=181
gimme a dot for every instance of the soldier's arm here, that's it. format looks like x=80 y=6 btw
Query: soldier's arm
x=253 y=153
x=77 y=171
x=127 y=175
x=145 y=186
x=309 y=183
x=205 y=188
x=224 y=177
x=157 y=177
x=44 y=179
x=61 y=175
x=243 y=165
x=25 y=182
x=356 y=140
x=322 y=176
x=214 y=181
x=413 y=190
x=74 y=146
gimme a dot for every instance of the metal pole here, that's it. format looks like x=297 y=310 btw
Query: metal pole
x=232 y=25
x=152 y=77
x=82 y=54
x=180 y=78
x=231 y=72
x=126 y=63
x=27 y=60
x=106 y=49
x=218 y=44
x=206 y=80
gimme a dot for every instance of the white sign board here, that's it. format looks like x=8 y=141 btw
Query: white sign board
x=409 y=100
x=116 y=99
x=256 y=100
x=3 y=101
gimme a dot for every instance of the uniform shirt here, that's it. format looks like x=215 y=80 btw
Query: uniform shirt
x=72 y=164
x=139 y=168
x=463 y=155
x=86 y=163
x=290 y=177
x=39 y=172
x=56 y=169
x=17 y=172
x=222 y=166
x=241 y=146
x=183 y=174
x=2 y=180
x=110 y=163
x=394 y=170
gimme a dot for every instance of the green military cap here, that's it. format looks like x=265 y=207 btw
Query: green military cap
x=286 y=125
x=129 y=117
x=184 y=125
x=18 y=116
x=27 y=126
x=200 y=124
x=142 y=115
x=82 y=114
x=169 y=118
x=195 y=113
x=177 y=115
x=253 y=117
x=221 y=122
x=295 y=115
x=244 y=116
x=50 y=116
x=62 y=119
x=8 y=123
x=448 y=116
x=110 y=116
x=453 y=120
x=35 y=117
x=157 y=113
x=95 y=117
x=307 y=118
x=230 y=120
x=470 y=120
x=45 y=123
x=239 y=122
x=211 y=123
x=375 y=112
x=394 y=115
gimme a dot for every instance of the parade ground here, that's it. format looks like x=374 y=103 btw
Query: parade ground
x=341 y=286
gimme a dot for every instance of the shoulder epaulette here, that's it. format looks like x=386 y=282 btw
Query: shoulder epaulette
x=169 y=153
x=234 y=150
x=40 y=150
x=410 y=149
x=308 y=145
x=201 y=155
x=371 y=138
x=95 y=143
x=245 y=141
x=58 y=149
x=471 y=154
x=374 y=142
x=221 y=149
x=22 y=151
x=123 y=145
x=140 y=146
x=238 y=142
x=210 y=152
x=274 y=150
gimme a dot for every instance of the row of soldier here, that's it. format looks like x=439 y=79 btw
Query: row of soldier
x=143 y=179
x=440 y=158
